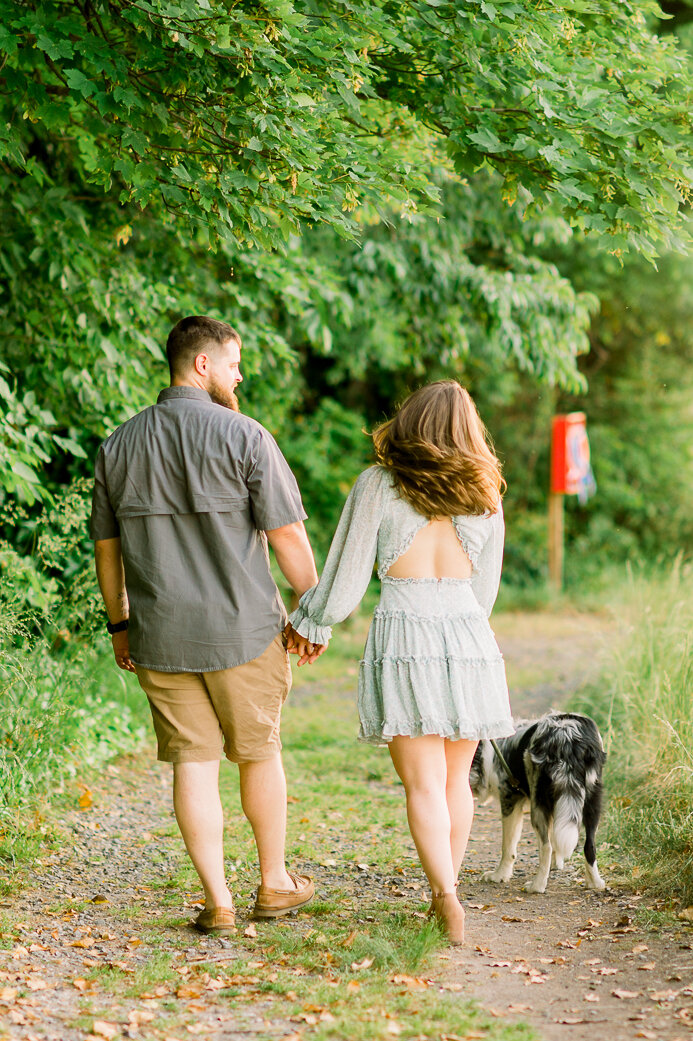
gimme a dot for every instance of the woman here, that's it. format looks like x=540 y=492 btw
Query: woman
x=432 y=680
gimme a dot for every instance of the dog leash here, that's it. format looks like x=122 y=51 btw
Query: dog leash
x=514 y=783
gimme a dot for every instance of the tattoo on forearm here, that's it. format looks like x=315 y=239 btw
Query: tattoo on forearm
x=123 y=603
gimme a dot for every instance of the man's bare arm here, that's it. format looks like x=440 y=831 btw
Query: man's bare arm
x=296 y=562
x=294 y=556
x=111 y=576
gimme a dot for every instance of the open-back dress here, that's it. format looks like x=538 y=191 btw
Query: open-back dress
x=431 y=664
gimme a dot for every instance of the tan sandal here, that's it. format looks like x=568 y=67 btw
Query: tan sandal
x=449 y=914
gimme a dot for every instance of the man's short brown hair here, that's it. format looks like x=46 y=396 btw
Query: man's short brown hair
x=192 y=336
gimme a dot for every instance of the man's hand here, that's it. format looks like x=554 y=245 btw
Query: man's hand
x=297 y=644
x=121 y=649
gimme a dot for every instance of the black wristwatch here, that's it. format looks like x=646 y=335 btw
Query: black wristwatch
x=117 y=627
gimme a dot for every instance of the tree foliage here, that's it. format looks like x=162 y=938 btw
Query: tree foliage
x=254 y=118
x=376 y=193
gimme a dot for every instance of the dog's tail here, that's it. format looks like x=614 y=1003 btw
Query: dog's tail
x=566 y=825
x=570 y=755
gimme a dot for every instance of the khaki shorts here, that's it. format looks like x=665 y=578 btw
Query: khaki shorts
x=198 y=716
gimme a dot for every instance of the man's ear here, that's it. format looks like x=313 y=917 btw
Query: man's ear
x=202 y=364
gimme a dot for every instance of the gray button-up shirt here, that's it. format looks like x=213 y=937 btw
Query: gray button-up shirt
x=190 y=487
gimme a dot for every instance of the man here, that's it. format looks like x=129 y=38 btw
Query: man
x=186 y=496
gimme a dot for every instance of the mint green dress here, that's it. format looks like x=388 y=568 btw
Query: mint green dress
x=431 y=664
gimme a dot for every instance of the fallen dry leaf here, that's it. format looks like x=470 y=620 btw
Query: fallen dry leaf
x=36 y=984
x=410 y=982
x=188 y=990
x=686 y=915
x=457 y=1037
x=350 y=938
x=604 y=971
x=251 y=931
x=86 y=799
x=353 y=985
x=365 y=964
x=138 y=1016
x=663 y=995
x=591 y=997
x=647 y=966
x=7 y=994
x=103 y=1029
x=626 y=993
x=519 y=1008
x=571 y=1020
x=217 y=984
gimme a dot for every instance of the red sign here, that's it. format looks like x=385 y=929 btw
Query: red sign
x=571 y=473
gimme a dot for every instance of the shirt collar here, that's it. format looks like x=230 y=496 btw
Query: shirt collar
x=171 y=393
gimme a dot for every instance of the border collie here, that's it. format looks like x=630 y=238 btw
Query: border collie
x=556 y=762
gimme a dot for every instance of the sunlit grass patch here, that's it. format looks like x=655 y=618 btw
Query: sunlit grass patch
x=643 y=703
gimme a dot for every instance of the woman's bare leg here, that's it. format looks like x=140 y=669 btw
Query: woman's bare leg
x=421 y=765
x=459 y=756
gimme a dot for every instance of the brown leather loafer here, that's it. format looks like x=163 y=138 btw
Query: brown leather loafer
x=272 y=903
x=216 y=920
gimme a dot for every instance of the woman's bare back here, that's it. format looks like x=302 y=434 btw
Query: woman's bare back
x=435 y=552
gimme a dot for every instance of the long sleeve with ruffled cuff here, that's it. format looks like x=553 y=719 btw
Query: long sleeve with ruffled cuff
x=349 y=565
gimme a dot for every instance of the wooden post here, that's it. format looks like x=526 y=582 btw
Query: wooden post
x=556 y=540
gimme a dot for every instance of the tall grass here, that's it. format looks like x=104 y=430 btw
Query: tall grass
x=644 y=704
x=62 y=709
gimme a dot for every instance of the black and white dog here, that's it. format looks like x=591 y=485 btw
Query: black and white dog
x=556 y=762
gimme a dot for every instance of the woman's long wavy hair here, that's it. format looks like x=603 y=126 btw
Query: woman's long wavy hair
x=438 y=451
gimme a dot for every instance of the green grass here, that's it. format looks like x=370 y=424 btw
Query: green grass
x=62 y=710
x=643 y=703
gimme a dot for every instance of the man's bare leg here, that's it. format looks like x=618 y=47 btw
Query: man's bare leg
x=263 y=797
x=201 y=821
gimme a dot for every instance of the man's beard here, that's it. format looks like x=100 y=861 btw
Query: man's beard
x=221 y=396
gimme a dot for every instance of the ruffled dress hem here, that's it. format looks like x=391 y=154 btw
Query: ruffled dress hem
x=378 y=732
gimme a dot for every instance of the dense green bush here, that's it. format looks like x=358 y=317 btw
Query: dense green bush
x=64 y=707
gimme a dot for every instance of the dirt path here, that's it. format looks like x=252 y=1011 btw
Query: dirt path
x=90 y=955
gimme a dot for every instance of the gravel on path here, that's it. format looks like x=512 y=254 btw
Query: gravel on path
x=575 y=964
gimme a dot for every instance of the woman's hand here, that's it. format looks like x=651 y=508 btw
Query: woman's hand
x=300 y=645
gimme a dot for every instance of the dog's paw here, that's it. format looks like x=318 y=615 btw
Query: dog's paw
x=535 y=886
x=497 y=876
x=592 y=877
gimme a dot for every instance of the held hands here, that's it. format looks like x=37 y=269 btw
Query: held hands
x=297 y=644
x=121 y=650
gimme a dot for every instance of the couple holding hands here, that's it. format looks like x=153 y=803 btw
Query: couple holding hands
x=187 y=496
